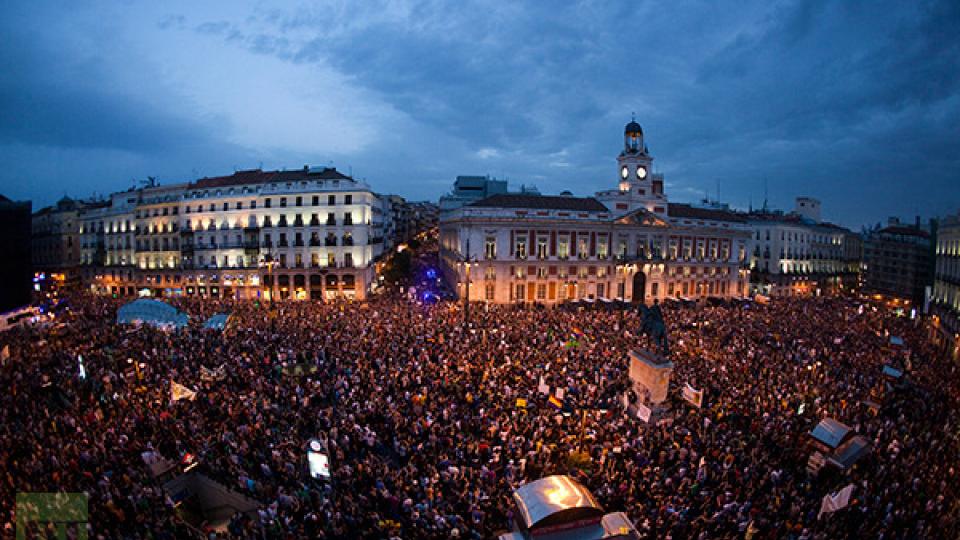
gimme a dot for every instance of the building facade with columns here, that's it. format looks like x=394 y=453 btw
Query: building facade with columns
x=301 y=234
x=628 y=243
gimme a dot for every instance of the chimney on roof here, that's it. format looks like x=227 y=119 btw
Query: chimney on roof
x=917 y=222
x=306 y=168
x=893 y=221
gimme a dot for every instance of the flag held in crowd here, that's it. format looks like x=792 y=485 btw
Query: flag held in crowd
x=555 y=402
x=693 y=396
x=179 y=391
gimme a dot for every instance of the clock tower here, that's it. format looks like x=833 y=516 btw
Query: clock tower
x=634 y=161
x=638 y=185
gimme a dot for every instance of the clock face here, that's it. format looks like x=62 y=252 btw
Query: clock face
x=641 y=172
x=624 y=172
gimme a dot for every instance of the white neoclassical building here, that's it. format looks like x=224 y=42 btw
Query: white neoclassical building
x=627 y=243
x=313 y=233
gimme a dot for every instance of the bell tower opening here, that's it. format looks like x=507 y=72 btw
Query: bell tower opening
x=633 y=137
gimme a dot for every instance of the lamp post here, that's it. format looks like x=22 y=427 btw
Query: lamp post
x=466 y=297
x=269 y=262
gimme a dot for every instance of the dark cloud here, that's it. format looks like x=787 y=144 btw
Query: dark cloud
x=57 y=98
x=855 y=103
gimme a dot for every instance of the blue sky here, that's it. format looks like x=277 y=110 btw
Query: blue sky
x=856 y=103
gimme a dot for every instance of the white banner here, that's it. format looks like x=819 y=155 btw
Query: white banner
x=692 y=395
x=832 y=503
x=643 y=412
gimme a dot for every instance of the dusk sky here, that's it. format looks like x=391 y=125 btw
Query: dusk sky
x=857 y=104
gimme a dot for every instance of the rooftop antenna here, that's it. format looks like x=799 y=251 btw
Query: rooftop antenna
x=765 y=193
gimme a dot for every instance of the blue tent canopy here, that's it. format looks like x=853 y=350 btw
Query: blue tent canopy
x=892 y=372
x=217 y=322
x=830 y=432
x=152 y=312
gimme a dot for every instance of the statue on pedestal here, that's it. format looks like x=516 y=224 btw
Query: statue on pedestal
x=652 y=326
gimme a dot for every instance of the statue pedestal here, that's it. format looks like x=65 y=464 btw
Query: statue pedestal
x=650 y=380
x=650 y=375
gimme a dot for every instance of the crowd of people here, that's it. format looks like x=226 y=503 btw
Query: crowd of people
x=431 y=422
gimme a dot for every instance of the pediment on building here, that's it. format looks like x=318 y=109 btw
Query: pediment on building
x=641 y=217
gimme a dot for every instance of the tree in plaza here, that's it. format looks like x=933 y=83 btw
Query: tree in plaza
x=398 y=268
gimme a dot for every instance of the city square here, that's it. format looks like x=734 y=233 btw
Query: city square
x=424 y=270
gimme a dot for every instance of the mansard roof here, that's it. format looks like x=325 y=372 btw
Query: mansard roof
x=541 y=202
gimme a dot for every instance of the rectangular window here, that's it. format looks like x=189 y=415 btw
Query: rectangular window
x=541 y=291
x=542 y=247
x=331 y=219
x=266 y=202
x=348 y=199
x=542 y=272
x=490 y=273
x=602 y=249
x=520 y=288
x=332 y=200
x=489 y=292
x=490 y=248
x=283 y=260
x=299 y=201
x=331 y=260
x=253 y=205
x=283 y=202
x=563 y=248
x=316 y=200
x=582 y=248
x=521 y=248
